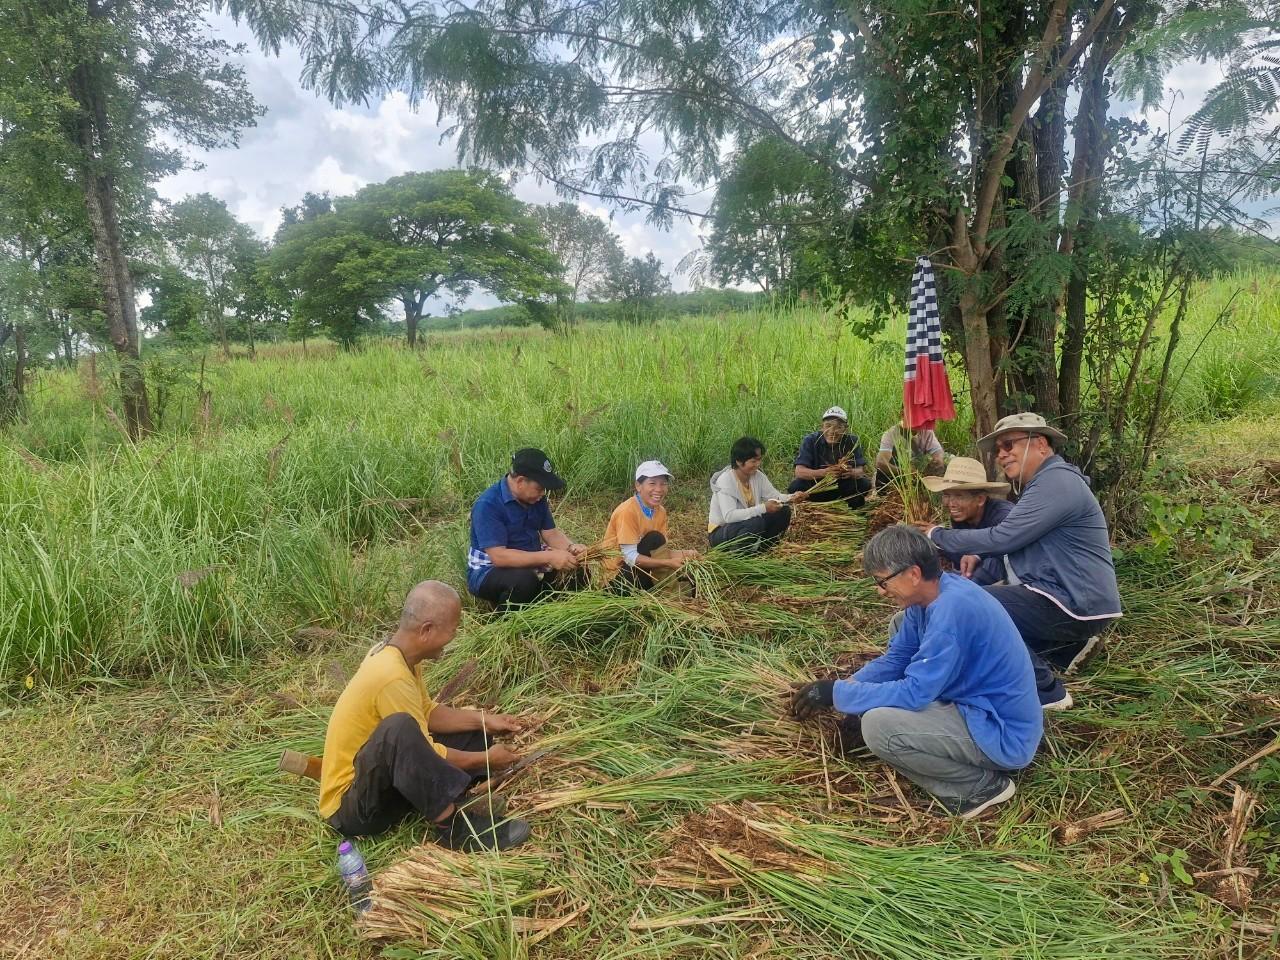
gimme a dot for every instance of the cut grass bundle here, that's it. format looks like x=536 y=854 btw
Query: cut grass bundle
x=906 y=903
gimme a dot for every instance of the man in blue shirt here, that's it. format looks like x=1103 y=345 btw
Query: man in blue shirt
x=517 y=552
x=952 y=702
x=832 y=450
x=967 y=495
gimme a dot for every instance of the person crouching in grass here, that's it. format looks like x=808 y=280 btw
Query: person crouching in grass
x=747 y=510
x=517 y=552
x=391 y=750
x=952 y=703
x=832 y=450
x=638 y=529
x=970 y=501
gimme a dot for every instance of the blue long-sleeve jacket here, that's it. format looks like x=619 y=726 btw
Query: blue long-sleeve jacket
x=960 y=649
x=1056 y=540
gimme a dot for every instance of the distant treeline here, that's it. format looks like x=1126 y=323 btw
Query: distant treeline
x=694 y=303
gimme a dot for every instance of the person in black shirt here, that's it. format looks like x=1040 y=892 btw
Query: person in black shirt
x=832 y=450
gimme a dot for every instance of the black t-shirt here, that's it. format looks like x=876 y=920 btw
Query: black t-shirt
x=816 y=453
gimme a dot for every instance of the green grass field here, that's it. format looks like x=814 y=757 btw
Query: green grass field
x=186 y=609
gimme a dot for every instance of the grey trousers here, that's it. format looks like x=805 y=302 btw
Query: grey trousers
x=932 y=748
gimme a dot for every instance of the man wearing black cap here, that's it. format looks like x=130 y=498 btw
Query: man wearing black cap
x=517 y=551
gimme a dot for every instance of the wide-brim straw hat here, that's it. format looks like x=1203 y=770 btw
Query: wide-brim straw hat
x=1022 y=422
x=964 y=473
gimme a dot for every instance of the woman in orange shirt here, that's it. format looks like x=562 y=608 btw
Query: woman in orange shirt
x=638 y=529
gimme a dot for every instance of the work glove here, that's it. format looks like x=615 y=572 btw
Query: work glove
x=813 y=698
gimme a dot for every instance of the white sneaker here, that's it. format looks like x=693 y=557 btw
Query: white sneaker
x=1062 y=703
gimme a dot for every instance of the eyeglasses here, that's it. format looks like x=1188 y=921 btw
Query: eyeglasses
x=1005 y=444
x=882 y=581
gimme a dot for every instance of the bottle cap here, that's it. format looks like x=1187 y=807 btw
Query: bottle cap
x=344 y=847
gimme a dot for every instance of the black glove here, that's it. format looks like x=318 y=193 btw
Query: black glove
x=812 y=698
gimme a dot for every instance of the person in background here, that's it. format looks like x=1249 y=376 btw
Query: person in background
x=952 y=702
x=746 y=509
x=926 y=452
x=1060 y=579
x=832 y=450
x=517 y=552
x=969 y=499
x=390 y=750
x=638 y=529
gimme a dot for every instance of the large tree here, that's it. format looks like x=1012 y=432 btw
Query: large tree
x=413 y=238
x=216 y=251
x=585 y=246
x=92 y=95
x=947 y=121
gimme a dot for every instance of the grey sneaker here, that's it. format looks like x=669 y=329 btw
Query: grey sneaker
x=1092 y=647
x=999 y=791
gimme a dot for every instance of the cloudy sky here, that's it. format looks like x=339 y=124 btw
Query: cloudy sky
x=304 y=143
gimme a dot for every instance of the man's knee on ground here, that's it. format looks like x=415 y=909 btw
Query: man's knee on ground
x=878 y=726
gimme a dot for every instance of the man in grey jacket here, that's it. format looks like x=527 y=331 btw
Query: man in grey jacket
x=1060 y=581
x=746 y=509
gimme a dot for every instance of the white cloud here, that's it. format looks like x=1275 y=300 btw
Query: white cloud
x=306 y=143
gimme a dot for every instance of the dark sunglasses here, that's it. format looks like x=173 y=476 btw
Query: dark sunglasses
x=881 y=581
x=1005 y=444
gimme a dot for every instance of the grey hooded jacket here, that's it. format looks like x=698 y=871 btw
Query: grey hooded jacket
x=1054 y=540
x=727 y=504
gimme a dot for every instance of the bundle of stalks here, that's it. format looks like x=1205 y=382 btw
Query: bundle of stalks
x=434 y=895
x=867 y=895
x=831 y=480
x=905 y=500
x=1077 y=830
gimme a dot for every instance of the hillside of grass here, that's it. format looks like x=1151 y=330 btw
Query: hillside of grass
x=173 y=615
x=296 y=490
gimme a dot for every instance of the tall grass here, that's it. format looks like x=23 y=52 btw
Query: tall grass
x=304 y=496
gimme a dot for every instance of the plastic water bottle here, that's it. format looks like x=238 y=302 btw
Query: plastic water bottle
x=354 y=876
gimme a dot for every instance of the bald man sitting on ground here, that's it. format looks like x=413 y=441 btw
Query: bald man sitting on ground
x=390 y=749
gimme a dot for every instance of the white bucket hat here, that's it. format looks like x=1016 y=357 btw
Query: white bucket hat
x=837 y=412
x=652 y=468
x=1026 y=423
x=964 y=473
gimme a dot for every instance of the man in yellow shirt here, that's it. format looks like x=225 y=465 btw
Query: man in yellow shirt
x=638 y=530
x=390 y=749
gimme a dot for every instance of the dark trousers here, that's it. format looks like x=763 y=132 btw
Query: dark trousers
x=397 y=772
x=752 y=536
x=852 y=490
x=634 y=577
x=508 y=587
x=1052 y=637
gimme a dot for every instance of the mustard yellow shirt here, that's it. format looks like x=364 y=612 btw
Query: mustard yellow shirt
x=628 y=524
x=383 y=685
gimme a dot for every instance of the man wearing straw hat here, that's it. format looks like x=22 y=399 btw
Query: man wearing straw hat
x=832 y=452
x=638 y=530
x=517 y=552
x=968 y=497
x=1060 y=588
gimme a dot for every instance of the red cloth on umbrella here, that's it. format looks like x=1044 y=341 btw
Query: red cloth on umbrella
x=926 y=392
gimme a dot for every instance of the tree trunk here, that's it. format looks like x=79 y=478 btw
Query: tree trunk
x=411 y=317
x=222 y=335
x=977 y=361
x=97 y=182
x=20 y=359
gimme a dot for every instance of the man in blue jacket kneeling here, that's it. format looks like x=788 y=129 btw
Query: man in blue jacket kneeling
x=952 y=702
